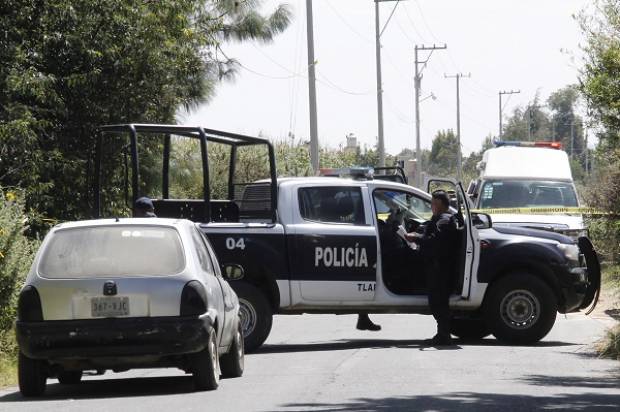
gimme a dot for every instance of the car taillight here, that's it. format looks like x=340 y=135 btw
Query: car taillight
x=193 y=299
x=29 y=305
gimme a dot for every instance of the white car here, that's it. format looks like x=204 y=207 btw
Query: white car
x=117 y=294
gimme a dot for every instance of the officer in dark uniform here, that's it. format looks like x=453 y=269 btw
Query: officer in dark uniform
x=143 y=207
x=438 y=246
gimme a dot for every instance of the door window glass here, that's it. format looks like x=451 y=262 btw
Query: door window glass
x=394 y=202
x=332 y=205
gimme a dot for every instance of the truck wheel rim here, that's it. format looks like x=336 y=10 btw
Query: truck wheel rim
x=520 y=309
x=248 y=316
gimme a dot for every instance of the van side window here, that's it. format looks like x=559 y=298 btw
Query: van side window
x=332 y=205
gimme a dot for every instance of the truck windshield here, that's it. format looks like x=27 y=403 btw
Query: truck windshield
x=112 y=251
x=527 y=193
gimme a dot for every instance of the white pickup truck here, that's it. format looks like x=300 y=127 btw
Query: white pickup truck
x=329 y=245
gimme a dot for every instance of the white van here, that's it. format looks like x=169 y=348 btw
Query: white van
x=527 y=175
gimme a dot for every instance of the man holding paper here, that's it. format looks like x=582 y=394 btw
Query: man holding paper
x=439 y=248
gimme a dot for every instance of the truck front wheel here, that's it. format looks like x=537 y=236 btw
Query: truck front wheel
x=255 y=314
x=520 y=308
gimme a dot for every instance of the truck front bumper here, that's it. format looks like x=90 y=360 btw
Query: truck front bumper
x=113 y=337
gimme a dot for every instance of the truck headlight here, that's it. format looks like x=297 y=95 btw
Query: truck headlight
x=571 y=252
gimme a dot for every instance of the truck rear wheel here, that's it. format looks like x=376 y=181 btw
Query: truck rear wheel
x=520 y=308
x=255 y=314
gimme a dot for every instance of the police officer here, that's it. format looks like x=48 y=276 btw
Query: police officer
x=438 y=246
x=143 y=207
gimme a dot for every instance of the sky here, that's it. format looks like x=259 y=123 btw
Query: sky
x=527 y=45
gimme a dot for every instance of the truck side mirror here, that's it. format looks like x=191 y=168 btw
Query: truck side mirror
x=481 y=220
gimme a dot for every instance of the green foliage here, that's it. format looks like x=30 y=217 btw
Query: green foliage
x=69 y=66
x=444 y=153
x=16 y=255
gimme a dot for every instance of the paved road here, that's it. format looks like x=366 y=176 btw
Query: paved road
x=320 y=363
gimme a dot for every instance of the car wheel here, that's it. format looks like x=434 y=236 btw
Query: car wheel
x=233 y=362
x=70 y=377
x=205 y=366
x=469 y=329
x=255 y=314
x=31 y=375
x=520 y=308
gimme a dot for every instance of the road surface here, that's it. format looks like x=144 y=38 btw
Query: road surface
x=321 y=363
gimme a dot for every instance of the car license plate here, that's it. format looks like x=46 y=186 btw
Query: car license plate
x=109 y=306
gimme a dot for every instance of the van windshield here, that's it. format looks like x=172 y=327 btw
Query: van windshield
x=112 y=251
x=527 y=193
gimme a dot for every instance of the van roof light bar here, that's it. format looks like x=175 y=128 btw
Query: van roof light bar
x=515 y=143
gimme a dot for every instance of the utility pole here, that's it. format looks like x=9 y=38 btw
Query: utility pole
x=314 y=134
x=502 y=93
x=529 y=124
x=572 y=138
x=459 y=159
x=379 y=32
x=418 y=84
x=585 y=132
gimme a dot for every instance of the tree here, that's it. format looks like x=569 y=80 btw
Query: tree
x=599 y=75
x=444 y=152
x=69 y=66
x=528 y=123
x=567 y=125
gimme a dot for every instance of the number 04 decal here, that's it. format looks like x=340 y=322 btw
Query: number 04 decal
x=231 y=243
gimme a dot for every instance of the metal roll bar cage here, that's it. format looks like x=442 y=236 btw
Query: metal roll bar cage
x=204 y=135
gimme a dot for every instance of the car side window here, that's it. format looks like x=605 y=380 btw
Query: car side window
x=339 y=204
x=393 y=202
x=202 y=252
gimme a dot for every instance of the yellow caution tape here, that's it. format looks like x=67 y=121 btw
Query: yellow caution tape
x=544 y=211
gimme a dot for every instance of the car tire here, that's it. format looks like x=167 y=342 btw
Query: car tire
x=520 y=308
x=31 y=375
x=232 y=363
x=70 y=377
x=205 y=365
x=255 y=313
x=469 y=329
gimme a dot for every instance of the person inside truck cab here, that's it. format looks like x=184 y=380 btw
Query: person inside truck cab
x=143 y=207
x=439 y=248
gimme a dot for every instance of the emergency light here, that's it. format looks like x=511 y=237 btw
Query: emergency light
x=515 y=143
x=353 y=172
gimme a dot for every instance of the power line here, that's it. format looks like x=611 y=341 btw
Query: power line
x=346 y=23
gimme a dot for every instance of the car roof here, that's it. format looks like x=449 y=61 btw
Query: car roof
x=339 y=181
x=137 y=221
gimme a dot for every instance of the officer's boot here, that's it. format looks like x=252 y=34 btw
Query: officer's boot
x=364 y=323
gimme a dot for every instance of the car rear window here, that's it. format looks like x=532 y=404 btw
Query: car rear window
x=113 y=251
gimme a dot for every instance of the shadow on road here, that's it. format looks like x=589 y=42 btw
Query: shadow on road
x=612 y=381
x=467 y=401
x=111 y=388
x=347 y=344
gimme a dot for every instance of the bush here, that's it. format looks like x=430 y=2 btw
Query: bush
x=609 y=347
x=16 y=254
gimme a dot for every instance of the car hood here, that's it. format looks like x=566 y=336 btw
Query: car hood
x=535 y=233
x=547 y=222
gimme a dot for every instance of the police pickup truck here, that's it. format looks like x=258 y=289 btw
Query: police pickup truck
x=328 y=245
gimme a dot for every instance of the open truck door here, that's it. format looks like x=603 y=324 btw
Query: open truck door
x=469 y=252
